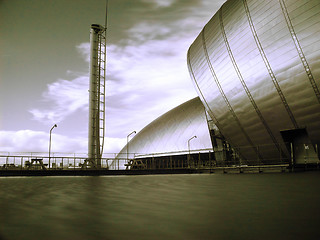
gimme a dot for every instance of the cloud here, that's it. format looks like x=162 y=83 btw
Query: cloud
x=27 y=141
x=144 y=82
x=160 y=3
x=37 y=141
x=84 y=50
x=113 y=146
x=62 y=98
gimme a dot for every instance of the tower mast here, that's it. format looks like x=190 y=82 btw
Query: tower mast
x=96 y=128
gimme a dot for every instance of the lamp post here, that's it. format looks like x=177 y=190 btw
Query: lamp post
x=189 y=149
x=50 y=142
x=128 y=144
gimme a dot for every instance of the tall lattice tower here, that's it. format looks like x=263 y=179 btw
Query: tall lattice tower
x=96 y=129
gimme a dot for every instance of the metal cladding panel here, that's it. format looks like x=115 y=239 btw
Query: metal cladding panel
x=256 y=67
x=171 y=132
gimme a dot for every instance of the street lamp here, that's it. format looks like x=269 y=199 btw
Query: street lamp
x=128 y=144
x=189 y=148
x=50 y=142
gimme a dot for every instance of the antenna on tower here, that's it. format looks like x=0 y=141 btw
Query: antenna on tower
x=106 y=19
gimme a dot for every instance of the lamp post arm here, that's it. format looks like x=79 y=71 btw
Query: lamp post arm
x=128 y=144
x=50 y=143
x=189 y=149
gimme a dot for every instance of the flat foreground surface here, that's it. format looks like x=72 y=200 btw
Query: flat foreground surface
x=195 y=206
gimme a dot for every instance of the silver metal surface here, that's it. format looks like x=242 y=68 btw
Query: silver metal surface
x=96 y=94
x=171 y=132
x=256 y=68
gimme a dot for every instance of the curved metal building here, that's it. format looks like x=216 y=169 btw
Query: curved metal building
x=170 y=132
x=256 y=68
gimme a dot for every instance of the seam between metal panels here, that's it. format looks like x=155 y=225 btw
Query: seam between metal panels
x=268 y=66
x=241 y=78
x=221 y=90
x=214 y=119
x=299 y=49
x=194 y=79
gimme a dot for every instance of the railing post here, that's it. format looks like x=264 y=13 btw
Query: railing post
x=291 y=156
x=280 y=154
x=181 y=163
x=259 y=160
x=305 y=155
x=317 y=154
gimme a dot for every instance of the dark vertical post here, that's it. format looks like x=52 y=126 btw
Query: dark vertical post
x=50 y=142
x=291 y=157
x=317 y=153
x=280 y=155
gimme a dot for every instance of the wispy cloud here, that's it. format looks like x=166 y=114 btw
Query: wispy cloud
x=160 y=3
x=84 y=50
x=26 y=141
x=38 y=141
x=61 y=99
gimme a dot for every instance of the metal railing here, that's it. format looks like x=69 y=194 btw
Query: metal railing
x=57 y=161
x=299 y=154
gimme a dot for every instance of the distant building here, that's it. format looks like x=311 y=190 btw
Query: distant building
x=256 y=68
x=170 y=134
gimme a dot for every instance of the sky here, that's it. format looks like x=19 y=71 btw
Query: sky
x=44 y=66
